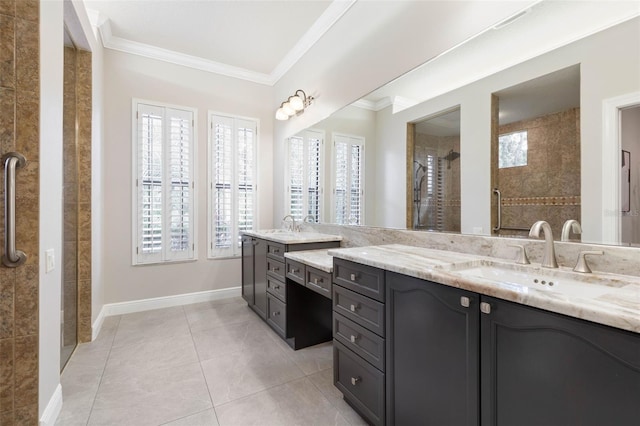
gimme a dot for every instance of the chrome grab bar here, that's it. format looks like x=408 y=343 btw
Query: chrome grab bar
x=12 y=257
x=499 y=225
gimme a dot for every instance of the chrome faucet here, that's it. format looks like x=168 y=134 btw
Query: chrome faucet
x=293 y=227
x=549 y=258
x=312 y=219
x=570 y=225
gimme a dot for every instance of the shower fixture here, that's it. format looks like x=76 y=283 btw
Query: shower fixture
x=451 y=155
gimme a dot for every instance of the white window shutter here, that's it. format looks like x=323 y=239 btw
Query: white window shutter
x=304 y=175
x=233 y=197
x=164 y=182
x=348 y=193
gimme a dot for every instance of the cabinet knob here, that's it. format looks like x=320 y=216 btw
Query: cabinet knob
x=276 y=287
x=275 y=314
x=355 y=380
x=275 y=268
x=464 y=301
x=276 y=250
x=353 y=277
x=354 y=338
x=316 y=280
x=354 y=308
x=294 y=270
x=485 y=308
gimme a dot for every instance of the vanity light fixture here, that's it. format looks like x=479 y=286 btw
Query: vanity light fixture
x=294 y=105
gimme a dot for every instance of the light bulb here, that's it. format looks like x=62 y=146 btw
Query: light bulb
x=296 y=102
x=281 y=115
x=286 y=107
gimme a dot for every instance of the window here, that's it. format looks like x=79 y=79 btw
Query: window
x=232 y=175
x=304 y=177
x=164 y=201
x=512 y=149
x=348 y=190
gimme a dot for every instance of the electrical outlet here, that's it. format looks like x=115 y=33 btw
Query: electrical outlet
x=50 y=260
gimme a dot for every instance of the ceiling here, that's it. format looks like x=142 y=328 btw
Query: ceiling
x=254 y=40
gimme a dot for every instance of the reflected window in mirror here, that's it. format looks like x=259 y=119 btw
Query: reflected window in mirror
x=304 y=165
x=512 y=149
x=348 y=185
x=435 y=181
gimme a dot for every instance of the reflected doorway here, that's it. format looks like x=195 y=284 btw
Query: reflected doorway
x=630 y=176
x=434 y=184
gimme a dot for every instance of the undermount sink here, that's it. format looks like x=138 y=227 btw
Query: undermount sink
x=275 y=231
x=537 y=278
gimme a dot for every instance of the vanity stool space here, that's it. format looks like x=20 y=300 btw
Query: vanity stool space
x=268 y=289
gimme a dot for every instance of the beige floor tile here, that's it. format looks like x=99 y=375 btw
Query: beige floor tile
x=151 y=397
x=294 y=403
x=239 y=374
x=245 y=336
x=148 y=325
x=314 y=358
x=208 y=315
x=323 y=380
x=203 y=418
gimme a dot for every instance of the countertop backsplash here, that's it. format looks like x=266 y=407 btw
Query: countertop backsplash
x=616 y=259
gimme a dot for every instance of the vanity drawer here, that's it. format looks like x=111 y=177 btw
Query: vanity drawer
x=295 y=271
x=361 y=383
x=277 y=315
x=276 y=250
x=359 y=278
x=360 y=309
x=275 y=269
x=360 y=340
x=277 y=288
x=318 y=281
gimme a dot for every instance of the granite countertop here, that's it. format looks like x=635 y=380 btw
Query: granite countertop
x=288 y=237
x=615 y=301
x=318 y=259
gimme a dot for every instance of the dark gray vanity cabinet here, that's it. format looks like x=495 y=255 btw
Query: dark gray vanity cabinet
x=432 y=342
x=254 y=274
x=359 y=335
x=542 y=368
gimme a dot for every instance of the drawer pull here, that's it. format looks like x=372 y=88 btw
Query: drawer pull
x=276 y=287
x=464 y=301
x=354 y=308
x=294 y=270
x=275 y=268
x=275 y=314
x=354 y=338
x=485 y=308
x=316 y=281
x=353 y=277
x=276 y=250
x=355 y=380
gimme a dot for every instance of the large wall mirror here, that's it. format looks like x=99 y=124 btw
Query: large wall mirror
x=557 y=96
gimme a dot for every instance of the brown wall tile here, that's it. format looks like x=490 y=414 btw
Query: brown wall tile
x=6 y=375
x=84 y=222
x=8 y=7
x=27 y=415
x=7 y=418
x=26 y=304
x=27 y=140
x=7 y=119
x=27 y=64
x=26 y=371
x=7 y=301
x=7 y=43
x=84 y=260
x=84 y=311
x=27 y=227
x=28 y=9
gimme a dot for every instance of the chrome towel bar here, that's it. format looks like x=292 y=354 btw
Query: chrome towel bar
x=12 y=257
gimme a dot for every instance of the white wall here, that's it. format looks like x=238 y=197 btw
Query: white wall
x=373 y=43
x=130 y=76
x=630 y=137
x=51 y=96
x=610 y=65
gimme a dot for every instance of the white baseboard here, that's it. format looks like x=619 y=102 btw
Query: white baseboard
x=52 y=411
x=111 y=309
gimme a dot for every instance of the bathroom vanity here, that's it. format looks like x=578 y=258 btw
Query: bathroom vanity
x=458 y=348
x=275 y=293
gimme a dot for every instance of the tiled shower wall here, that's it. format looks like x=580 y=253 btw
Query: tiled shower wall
x=19 y=131
x=548 y=187
x=450 y=206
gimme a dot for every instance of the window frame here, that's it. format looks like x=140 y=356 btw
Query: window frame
x=362 y=143
x=140 y=259
x=235 y=251
x=526 y=163
x=321 y=172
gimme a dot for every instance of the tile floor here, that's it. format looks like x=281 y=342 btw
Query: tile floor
x=212 y=363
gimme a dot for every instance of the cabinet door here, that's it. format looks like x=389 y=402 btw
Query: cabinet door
x=260 y=277
x=247 y=269
x=541 y=368
x=432 y=353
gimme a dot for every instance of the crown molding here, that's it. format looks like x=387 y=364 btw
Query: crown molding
x=328 y=18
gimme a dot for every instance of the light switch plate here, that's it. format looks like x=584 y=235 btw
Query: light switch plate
x=50 y=260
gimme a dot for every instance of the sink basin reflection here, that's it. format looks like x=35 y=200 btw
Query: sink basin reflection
x=275 y=231
x=538 y=279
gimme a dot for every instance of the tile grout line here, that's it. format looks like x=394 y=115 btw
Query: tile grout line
x=93 y=402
